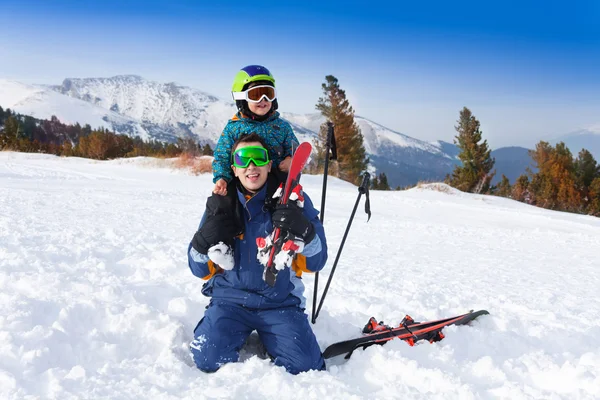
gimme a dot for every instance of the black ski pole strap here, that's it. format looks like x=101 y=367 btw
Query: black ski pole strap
x=364 y=188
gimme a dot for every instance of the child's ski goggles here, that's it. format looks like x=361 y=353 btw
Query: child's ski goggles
x=257 y=154
x=256 y=94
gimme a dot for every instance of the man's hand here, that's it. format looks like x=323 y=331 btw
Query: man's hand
x=289 y=218
x=220 y=187
x=285 y=164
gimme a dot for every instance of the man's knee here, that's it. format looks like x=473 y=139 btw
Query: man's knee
x=200 y=355
x=302 y=363
x=204 y=364
x=209 y=357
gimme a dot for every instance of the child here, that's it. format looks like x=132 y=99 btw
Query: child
x=255 y=97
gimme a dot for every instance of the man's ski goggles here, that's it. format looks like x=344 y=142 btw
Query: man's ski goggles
x=257 y=154
x=256 y=94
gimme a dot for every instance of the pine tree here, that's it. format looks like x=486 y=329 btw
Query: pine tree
x=11 y=127
x=375 y=183
x=207 y=150
x=474 y=173
x=335 y=107
x=9 y=136
x=586 y=170
x=67 y=149
x=503 y=189
x=520 y=190
x=593 y=207
x=554 y=185
x=383 y=182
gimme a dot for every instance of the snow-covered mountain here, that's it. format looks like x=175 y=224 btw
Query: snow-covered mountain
x=586 y=138
x=167 y=110
x=42 y=102
x=404 y=159
x=132 y=105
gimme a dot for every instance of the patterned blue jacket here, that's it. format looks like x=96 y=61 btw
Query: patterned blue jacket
x=277 y=133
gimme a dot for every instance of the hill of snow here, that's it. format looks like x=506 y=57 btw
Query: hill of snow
x=97 y=301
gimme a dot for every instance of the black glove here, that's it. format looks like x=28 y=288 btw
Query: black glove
x=216 y=228
x=289 y=218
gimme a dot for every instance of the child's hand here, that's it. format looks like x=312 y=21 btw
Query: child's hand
x=285 y=164
x=220 y=187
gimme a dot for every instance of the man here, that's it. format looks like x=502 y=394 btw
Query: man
x=241 y=300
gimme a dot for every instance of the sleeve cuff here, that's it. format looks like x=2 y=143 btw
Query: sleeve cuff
x=202 y=258
x=312 y=248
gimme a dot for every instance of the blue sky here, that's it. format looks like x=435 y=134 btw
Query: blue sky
x=527 y=69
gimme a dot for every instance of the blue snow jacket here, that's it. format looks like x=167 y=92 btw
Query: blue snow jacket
x=277 y=133
x=244 y=284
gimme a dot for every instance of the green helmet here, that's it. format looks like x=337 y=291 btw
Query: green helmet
x=251 y=73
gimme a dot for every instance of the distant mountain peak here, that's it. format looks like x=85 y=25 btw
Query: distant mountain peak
x=593 y=128
x=587 y=138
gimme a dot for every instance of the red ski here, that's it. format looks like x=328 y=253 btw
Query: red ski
x=409 y=331
x=298 y=162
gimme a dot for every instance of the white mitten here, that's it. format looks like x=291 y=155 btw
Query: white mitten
x=222 y=255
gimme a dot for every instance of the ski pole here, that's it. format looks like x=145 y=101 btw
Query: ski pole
x=328 y=147
x=362 y=189
x=326 y=168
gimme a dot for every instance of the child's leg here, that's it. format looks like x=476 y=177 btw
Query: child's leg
x=289 y=339
x=219 y=336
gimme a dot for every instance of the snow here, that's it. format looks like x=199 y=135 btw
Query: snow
x=162 y=104
x=378 y=136
x=378 y=140
x=222 y=255
x=97 y=301
x=594 y=129
x=41 y=102
x=132 y=105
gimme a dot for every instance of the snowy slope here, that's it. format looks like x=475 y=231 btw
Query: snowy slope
x=97 y=301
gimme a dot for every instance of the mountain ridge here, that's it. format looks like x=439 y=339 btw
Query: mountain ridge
x=130 y=104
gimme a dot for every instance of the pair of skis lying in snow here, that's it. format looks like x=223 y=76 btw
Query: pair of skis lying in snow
x=408 y=330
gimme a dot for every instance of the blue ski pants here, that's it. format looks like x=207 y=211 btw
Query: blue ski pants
x=285 y=333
